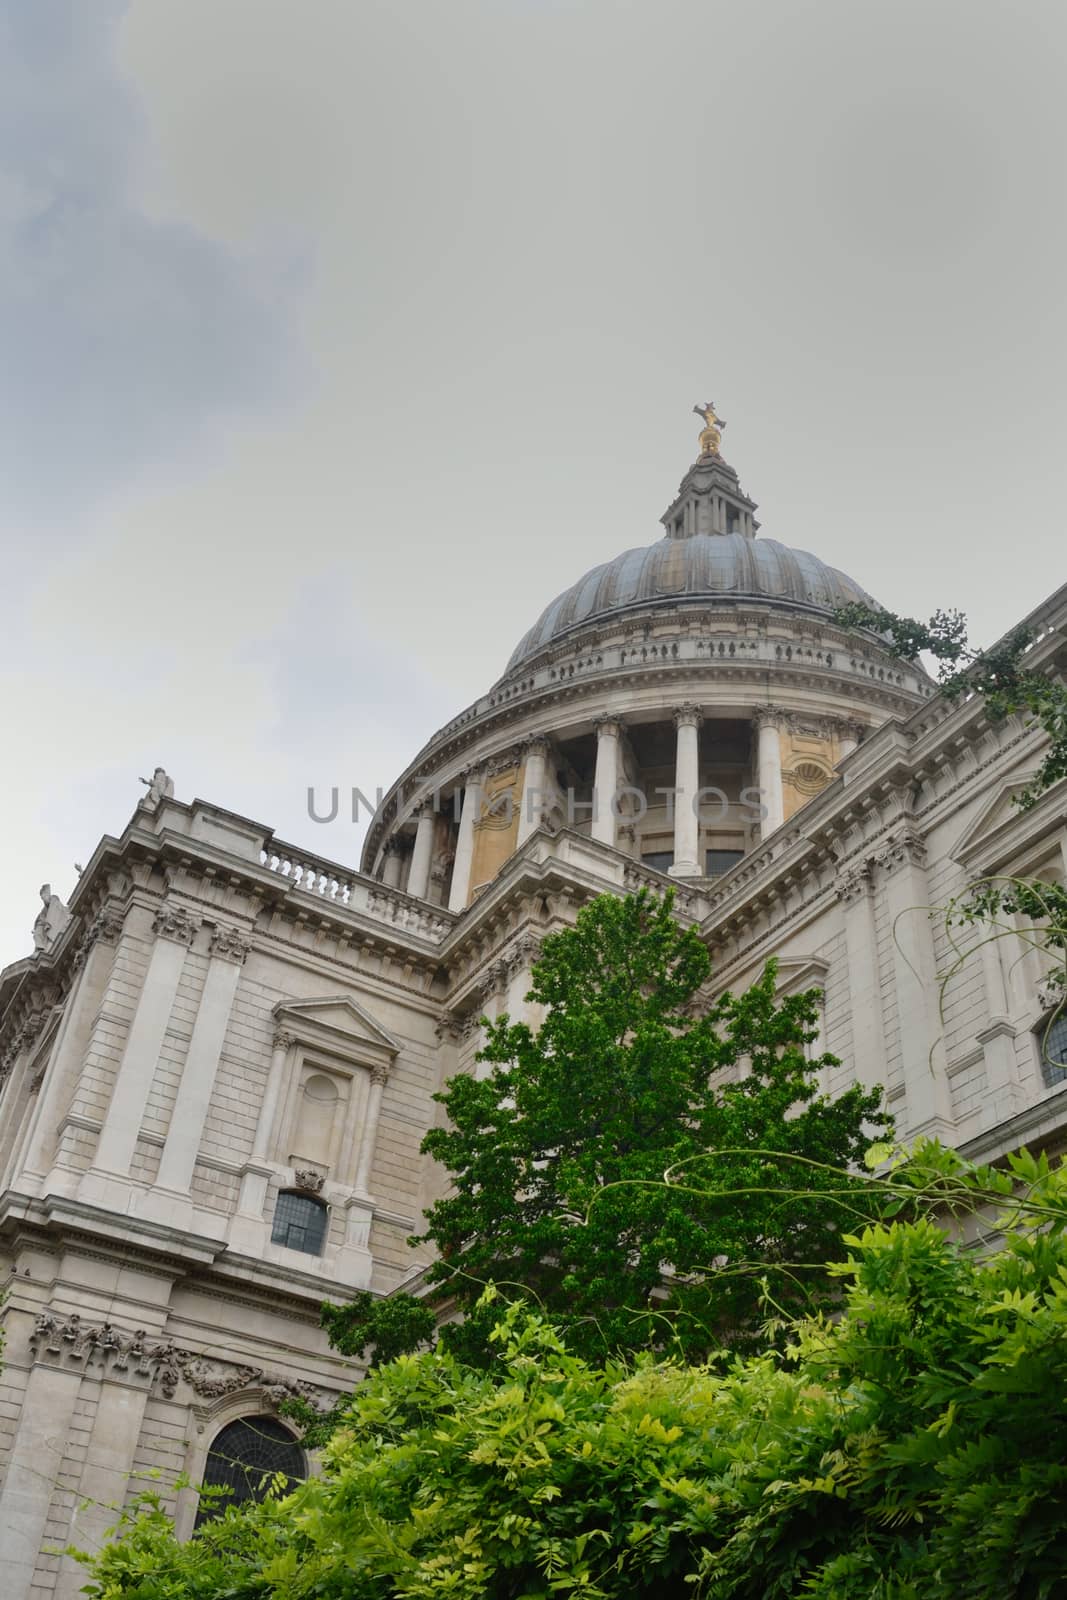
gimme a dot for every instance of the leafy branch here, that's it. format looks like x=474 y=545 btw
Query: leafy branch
x=999 y=675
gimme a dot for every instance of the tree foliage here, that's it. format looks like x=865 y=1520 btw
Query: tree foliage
x=999 y=675
x=909 y=1449
x=557 y=1157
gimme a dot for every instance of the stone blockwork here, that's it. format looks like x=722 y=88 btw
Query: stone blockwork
x=228 y=1034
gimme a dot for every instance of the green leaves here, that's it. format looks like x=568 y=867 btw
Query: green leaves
x=908 y=1448
x=999 y=675
x=599 y=1169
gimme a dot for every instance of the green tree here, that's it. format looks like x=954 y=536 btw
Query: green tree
x=908 y=1449
x=557 y=1158
x=1001 y=675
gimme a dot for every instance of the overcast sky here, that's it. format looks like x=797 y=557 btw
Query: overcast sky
x=338 y=337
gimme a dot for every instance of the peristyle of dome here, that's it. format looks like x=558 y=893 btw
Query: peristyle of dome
x=710 y=567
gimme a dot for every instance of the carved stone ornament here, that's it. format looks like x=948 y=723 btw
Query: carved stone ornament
x=22 y=1039
x=308 y=1179
x=230 y=945
x=105 y=928
x=688 y=716
x=1052 y=991
x=906 y=850
x=768 y=717
x=70 y=1341
x=283 y=1040
x=174 y=922
x=523 y=953
x=854 y=882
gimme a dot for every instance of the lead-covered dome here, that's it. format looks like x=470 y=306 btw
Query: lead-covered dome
x=715 y=567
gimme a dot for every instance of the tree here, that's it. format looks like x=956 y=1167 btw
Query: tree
x=908 y=1449
x=557 y=1158
x=1000 y=675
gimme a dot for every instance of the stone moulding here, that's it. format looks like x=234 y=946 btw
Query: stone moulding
x=70 y=1341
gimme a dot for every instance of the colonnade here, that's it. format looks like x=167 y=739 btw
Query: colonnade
x=613 y=799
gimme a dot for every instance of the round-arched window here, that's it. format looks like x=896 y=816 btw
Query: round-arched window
x=244 y=1458
x=300 y=1222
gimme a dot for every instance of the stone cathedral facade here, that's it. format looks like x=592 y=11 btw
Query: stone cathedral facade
x=218 y=1061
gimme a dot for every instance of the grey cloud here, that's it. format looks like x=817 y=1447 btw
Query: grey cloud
x=123 y=334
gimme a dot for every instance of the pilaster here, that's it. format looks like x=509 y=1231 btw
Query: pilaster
x=175 y=929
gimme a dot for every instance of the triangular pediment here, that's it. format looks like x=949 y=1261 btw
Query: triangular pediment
x=986 y=834
x=338 y=1021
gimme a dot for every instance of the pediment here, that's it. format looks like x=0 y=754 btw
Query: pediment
x=1001 y=828
x=797 y=973
x=337 y=1023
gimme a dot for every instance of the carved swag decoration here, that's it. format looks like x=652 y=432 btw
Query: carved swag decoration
x=69 y=1339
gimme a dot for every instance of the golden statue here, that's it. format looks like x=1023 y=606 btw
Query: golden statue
x=711 y=437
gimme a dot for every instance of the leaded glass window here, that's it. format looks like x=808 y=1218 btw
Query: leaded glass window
x=300 y=1222
x=244 y=1458
x=1054 y=1050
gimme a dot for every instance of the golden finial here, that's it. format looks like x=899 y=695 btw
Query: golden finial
x=711 y=436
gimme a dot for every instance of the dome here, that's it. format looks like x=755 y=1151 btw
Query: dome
x=717 y=568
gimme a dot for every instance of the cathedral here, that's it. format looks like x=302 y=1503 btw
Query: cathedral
x=218 y=1061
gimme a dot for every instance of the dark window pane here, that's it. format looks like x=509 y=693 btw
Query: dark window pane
x=244 y=1458
x=659 y=860
x=299 y=1223
x=719 y=861
x=1054 y=1050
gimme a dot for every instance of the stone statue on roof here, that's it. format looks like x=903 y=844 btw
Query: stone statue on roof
x=50 y=920
x=160 y=787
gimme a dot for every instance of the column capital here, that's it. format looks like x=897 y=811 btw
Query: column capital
x=174 y=922
x=608 y=724
x=905 y=850
x=283 y=1039
x=854 y=883
x=687 y=716
x=769 y=717
x=229 y=944
x=536 y=745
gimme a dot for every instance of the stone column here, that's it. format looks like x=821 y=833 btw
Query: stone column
x=256 y=1174
x=687 y=720
x=105 y=1476
x=531 y=808
x=175 y=931
x=459 y=893
x=768 y=722
x=855 y=890
x=422 y=854
x=851 y=733
x=927 y=1093
x=96 y=955
x=37 y=1459
x=369 y=1136
x=997 y=1038
x=391 y=865
x=606 y=779
x=228 y=951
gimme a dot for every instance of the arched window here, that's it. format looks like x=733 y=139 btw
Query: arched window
x=1053 y=1043
x=300 y=1222
x=244 y=1458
